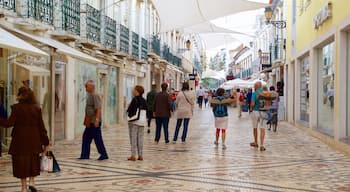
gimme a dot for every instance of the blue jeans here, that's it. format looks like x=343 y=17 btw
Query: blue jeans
x=184 y=132
x=159 y=122
x=92 y=133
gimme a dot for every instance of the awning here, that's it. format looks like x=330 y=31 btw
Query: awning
x=35 y=70
x=180 y=14
x=9 y=41
x=61 y=48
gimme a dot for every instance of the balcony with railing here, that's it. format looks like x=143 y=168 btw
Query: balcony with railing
x=265 y=61
x=41 y=10
x=278 y=50
x=123 y=40
x=71 y=16
x=165 y=52
x=110 y=32
x=8 y=4
x=135 y=45
x=93 y=24
x=144 y=49
x=154 y=45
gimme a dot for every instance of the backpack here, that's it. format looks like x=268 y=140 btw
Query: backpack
x=265 y=100
x=220 y=110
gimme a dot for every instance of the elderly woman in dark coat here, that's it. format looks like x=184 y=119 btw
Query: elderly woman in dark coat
x=28 y=137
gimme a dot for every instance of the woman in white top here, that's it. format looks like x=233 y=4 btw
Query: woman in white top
x=185 y=101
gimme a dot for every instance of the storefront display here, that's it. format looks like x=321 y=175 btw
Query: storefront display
x=326 y=98
x=19 y=69
x=112 y=96
x=84 y=72
x=304 y=89
x=348 y=80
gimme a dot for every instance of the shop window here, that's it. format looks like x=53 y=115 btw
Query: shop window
x=348 y=84
x=326 y=89
x=304 y=89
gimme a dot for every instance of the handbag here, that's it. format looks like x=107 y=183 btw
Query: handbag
x=48 y=163
x=140 y=118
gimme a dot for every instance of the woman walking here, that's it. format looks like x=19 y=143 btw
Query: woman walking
x=28 y=137
x=135 y=128
x=219 y=105
x=185 y=101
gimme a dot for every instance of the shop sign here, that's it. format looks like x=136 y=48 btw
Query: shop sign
x=322 y=15
x=192 y=76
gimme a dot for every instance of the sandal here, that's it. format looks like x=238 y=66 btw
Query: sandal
x=262 y=148
x=254 y=145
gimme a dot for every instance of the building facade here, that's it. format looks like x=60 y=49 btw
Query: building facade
x=318 y=52
x=61 y=44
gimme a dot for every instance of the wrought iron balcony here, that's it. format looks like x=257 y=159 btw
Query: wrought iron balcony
x=155 y=45
x=135 y=45
x=265 y=61
x=278 y=50
x=71 y=16
x=165 y=52
x=41 y=10
x=93 y=23
x=8 y=4
x=144 y=48
x=177 y=61
x=123 y=43
x=110 y=32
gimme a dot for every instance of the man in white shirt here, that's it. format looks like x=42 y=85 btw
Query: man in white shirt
x=200 y=96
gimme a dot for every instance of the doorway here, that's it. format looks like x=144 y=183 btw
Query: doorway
x=102 y=92
x=60 y=101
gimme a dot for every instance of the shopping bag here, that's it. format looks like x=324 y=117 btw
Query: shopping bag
x=46 y=162
x=49 y=163
x=55 y=167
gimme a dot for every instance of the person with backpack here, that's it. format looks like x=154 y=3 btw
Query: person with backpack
x=219 y=105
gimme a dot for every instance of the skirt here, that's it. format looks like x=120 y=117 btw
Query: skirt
x=24 y=166
x=221 y=122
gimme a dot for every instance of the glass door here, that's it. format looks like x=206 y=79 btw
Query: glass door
x=326 y=90
x=348 y=86
x=102 y=91
x=304 y=89
x=60 y=101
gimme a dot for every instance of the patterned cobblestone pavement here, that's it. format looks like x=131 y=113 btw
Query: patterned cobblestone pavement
x=293 y=161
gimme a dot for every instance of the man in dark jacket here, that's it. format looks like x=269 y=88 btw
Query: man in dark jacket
x=150 y=99
x=162 y=108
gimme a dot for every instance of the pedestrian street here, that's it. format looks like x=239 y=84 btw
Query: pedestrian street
x=293 y=161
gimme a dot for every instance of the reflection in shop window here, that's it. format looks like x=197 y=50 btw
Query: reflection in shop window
x=348 y=83
x=326 y=90
x=304 y=89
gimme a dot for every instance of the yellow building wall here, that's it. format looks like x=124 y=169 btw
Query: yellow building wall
x=306 y=33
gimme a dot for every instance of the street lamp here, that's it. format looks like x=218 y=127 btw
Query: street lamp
x=268 y=15
x=188 y=47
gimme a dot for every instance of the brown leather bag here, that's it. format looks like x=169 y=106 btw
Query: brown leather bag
x=87 y=121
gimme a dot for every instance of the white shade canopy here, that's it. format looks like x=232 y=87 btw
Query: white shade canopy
x=9 y=41
x=61 y=48
x=206 y=27
x=239 y=83
x=180 y=14
x=213 y=74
